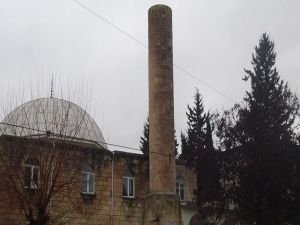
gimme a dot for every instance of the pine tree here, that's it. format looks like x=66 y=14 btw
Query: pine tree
x=176 y=144
x=194 y=141
x=263 y=132
x=271 y=106
x=144 y=142
x=184 y=147
x=208 y=137
x=198 y=150
x=210 y=192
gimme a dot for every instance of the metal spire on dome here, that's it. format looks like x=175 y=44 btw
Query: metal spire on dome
x=51 y=89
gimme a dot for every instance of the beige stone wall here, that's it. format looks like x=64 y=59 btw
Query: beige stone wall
x=96 y=210
x=10 y=211
x=190 y=179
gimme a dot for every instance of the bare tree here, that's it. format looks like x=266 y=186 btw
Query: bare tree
x=40 y=160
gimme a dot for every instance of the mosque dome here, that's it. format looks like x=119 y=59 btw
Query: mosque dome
x=57 y=117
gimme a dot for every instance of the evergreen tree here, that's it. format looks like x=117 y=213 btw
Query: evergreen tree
x=263 y=174
x=194 y=142
x=210 y=192
x=176 y=144
x=208 y=137
x=198 y=150
x=184 y=147
x=271 y=106
x=144 y=142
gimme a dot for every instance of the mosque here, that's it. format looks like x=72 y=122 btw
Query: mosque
x=113 y=184
x=57 y=168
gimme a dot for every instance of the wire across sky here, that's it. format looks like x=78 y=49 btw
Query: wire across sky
x=140 y=43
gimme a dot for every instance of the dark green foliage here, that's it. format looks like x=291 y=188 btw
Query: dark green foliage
x=210 y=192
x=271 y=106
x=144 y=142
x=199 y=152
x=260 y=139
x=208 y=137
x=176 y=144
x=194 y=141
x=184 y=148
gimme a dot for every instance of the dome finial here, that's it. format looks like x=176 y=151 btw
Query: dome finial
x=51 y=89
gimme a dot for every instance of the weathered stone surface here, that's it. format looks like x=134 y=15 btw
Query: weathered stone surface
x=161 y=205
x=161 y=107
x=162 y=209
x=97 y=210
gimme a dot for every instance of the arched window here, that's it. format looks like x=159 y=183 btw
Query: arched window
x=180 y=186
x=88 y=180
x=128 y=184
x=31 y=174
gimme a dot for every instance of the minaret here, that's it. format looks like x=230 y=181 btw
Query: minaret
x=161 y=107
x=51 y=88
x=162 y=204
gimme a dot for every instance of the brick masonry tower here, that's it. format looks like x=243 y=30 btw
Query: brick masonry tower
x=162 y=204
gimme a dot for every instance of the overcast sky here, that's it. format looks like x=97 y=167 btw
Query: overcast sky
x=93 y=62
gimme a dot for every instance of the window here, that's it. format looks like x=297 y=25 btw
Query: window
x=31 y=174
x=180 y=188
x=128 y=184
x=88 y=180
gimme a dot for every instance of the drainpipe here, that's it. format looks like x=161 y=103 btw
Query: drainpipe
x=112 y=189
x=51 y=180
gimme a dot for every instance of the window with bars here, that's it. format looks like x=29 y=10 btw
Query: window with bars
x=88 y=180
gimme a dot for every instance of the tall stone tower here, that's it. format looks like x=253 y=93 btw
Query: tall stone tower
x=162 y=204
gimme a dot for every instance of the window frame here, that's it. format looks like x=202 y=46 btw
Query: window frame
x=88 y=173
x=32 y=166
x=129 y=178
x=180 y=186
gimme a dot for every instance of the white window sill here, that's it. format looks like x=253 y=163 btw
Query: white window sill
x=182 y=202
x=129 y=197
x=88 y=193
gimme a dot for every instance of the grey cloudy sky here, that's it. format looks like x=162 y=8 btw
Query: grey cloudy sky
x=90 y=59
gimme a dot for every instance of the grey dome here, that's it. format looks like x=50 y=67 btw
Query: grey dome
x=53 y=116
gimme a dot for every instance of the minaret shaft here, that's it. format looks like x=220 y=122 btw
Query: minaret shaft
x=162 y=204
x=161 y=106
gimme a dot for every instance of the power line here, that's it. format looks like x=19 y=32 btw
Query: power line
x=145 y=46
x=204 y=83
x=110 y=23
x=92 y=141
x=56 y=134
x=23 y=127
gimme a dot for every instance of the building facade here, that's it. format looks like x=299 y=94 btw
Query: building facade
x=100 y=186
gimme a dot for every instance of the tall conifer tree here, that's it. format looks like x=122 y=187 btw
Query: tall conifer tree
x=194 y=141
x=271 y=106
x=264 y=167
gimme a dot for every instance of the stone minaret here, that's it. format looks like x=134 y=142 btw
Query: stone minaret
x=162 y=204
x=161 y=107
